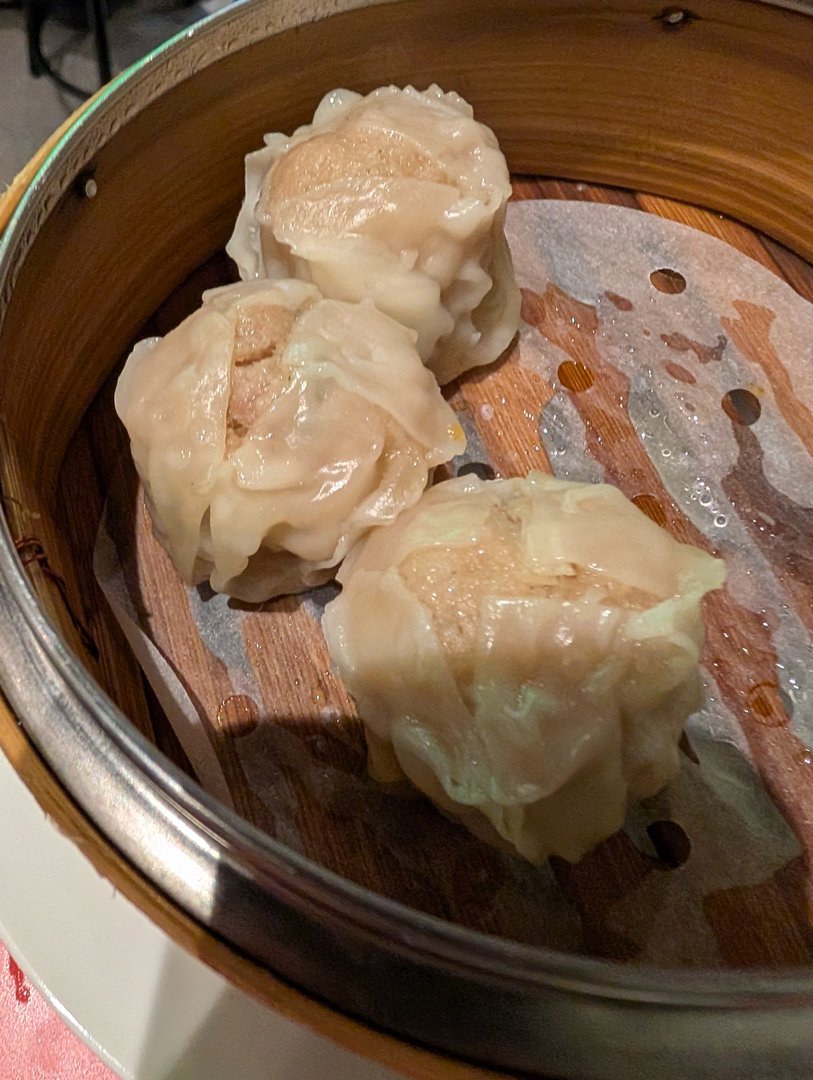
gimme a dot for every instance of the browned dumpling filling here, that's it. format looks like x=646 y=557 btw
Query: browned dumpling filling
x=400 y=197
x=273 y=428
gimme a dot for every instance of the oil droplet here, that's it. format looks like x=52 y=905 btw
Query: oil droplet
x=721 y=521
x=666 y=452
x=575 y=376
x=705 y=499
x=237 y=715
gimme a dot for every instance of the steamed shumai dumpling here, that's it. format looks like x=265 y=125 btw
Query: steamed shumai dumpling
x=539 y=660
x=398 y=196
x=273 y=428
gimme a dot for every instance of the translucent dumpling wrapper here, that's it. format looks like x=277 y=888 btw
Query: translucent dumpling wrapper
x=273 y=428
x=541 y=655
x=398 y=196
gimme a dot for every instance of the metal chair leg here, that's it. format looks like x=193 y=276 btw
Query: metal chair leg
x=34 y=19
x=97 y=18
x=36 y=14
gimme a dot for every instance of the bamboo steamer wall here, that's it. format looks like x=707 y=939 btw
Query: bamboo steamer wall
x=711 y=106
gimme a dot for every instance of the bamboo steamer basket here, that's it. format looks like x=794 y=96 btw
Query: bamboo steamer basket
x=121 y=208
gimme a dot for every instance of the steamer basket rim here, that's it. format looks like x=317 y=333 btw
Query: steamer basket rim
x=53 y=679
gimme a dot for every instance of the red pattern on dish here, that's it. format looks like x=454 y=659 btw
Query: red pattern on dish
x=36 y=1043
x=22 y=991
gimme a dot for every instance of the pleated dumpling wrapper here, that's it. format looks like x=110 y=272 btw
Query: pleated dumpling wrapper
x=398 y=196
x=273 y=428
x=540 y=655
